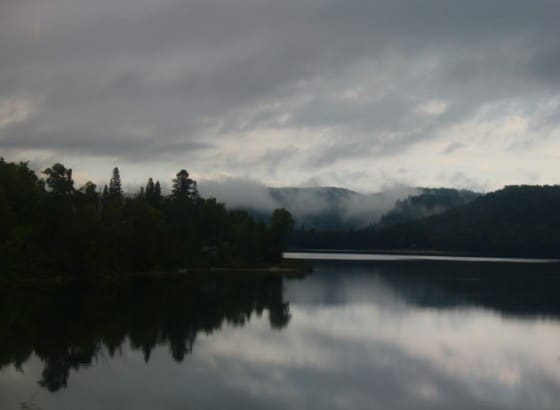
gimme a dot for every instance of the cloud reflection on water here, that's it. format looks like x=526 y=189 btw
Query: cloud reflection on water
x=359 y=337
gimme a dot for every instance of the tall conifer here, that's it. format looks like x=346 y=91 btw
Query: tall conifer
x=115 y=186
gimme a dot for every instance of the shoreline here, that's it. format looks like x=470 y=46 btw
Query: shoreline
x=404 y=256
x=295 y=271
x=419 y=252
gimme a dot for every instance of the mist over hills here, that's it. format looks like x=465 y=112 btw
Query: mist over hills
x=520 y=221
x=515 y=220
x=333 y=208
x=430 y=201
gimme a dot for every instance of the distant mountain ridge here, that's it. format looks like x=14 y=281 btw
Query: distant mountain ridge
x=517 y=221
x=332 y=208
x=431 y=201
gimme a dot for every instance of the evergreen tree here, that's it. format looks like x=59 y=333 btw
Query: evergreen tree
x=115 y=186
x=157 y=190
x=157 y=193
x=182 y=185
x=105 y=194
x=153 y=192
x=150 y=189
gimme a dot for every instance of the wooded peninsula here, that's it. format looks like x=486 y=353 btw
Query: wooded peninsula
x=48 y=226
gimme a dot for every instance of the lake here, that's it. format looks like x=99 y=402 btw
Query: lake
x=354 y=334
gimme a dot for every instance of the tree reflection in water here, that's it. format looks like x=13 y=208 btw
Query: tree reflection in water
x=68 y=325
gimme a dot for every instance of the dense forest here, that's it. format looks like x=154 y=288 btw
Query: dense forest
x=514 y=221
x=47 y=225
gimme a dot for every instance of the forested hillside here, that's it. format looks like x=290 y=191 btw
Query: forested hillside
x=514 y=221
x=430 y=201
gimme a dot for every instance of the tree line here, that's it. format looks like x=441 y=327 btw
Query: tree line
x=47 y=225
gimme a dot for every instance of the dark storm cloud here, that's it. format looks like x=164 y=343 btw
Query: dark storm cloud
x=135 y=79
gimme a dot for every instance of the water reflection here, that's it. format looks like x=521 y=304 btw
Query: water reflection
x=356 y=335
x=432 y=335
x=68 y=325
x=510 y=289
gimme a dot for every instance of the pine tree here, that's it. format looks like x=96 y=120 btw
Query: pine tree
x=157 y=192
x=182 y=185
x=150 y=189
x=115 y=186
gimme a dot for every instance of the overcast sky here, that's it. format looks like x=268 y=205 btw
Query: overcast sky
x=356 y=93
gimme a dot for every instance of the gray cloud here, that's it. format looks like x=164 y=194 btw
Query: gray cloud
x=210 y=80
x=454 y=146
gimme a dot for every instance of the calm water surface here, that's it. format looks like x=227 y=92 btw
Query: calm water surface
x=353 y=335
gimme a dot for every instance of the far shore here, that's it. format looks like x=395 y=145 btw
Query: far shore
x=427 y=252
x=402 y=254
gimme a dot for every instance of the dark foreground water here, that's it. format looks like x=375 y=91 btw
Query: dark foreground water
x=353 y=335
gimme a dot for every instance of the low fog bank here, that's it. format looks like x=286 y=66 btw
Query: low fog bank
x=239 y=194
x=368 y=209
x=314 y=207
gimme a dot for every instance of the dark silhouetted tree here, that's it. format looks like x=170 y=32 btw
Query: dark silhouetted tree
x=157 y=197
x=281 y=224
x=150 y=189
x=115 y=185
x=182 y=185
x=157 y=191
x=153 y=192
x=89 y=190
x=59 y=179
x=282 y=221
